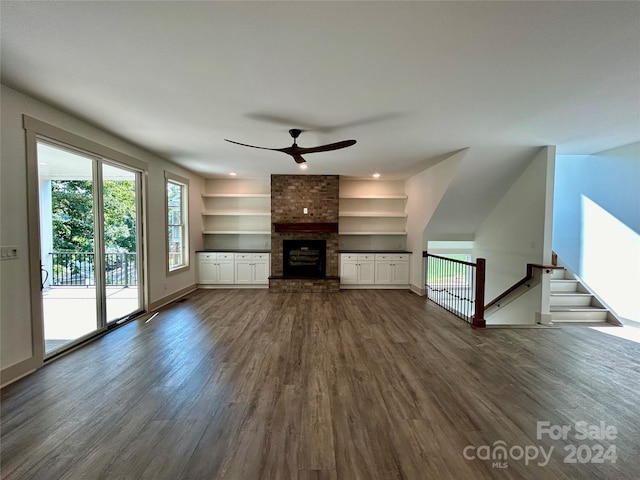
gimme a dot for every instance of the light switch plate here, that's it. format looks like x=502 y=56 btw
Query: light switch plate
x=9 y=252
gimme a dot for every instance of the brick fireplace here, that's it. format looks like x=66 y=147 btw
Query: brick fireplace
x=290 y=196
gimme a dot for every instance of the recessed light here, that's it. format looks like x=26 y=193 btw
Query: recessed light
x=233 y=174
x=303 y=166
x=376 y=175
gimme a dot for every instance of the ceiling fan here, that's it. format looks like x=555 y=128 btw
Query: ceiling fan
x=296 y=152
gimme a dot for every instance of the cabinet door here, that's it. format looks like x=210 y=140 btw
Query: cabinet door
x=244 y=269
x=401 y=273
x=206 y=268
x=261 y=272
x=348 y=272
x=383 y=271
x=225 y=271
x=366 y=272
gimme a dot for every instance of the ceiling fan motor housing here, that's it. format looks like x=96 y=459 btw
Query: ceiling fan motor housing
x=295 y=132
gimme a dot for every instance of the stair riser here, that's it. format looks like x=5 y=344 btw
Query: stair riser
x=570 y=300
x=558 y=274
x=564 y=286
x=586 y=316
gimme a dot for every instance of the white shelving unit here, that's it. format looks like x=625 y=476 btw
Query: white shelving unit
x=372 y=214
x=236 y=214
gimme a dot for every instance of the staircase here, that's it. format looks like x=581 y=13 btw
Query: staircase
x=571 y=302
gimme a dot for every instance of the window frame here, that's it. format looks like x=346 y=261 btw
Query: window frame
x=183 y=183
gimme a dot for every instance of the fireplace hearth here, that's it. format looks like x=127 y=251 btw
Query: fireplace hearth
x=304 y=258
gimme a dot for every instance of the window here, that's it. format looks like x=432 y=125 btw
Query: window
x=177 y=224
x=461 y=275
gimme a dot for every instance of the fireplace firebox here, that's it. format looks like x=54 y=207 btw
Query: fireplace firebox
x=304 y=258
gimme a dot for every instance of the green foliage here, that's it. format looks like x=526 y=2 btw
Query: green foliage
x=119 y=215
x=72 y=204
x=72 y=212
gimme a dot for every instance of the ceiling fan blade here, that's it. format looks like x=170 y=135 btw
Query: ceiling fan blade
x=253 y=146
x=296 y=151
x=326 y=148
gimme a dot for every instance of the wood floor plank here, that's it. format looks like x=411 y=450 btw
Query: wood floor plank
x=372 y=385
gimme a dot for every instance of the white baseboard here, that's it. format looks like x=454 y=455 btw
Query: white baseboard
x=207 y=286
x=17 y=371
x=172 y=297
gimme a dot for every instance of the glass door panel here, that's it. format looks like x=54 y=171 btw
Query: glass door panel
x=120 y=194
x=68 y=245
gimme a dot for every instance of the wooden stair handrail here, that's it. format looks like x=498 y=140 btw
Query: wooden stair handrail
x=454 y=260
x=529 y=276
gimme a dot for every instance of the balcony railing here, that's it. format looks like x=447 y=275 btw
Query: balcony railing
x=78 y=269
x=457 y=286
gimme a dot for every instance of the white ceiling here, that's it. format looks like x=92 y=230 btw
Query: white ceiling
x=410 y=81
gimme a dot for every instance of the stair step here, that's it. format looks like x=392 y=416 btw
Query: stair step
x=564 y=285
x=571 y=299
x=558 y=275
x=579 y=314
x=571 y=303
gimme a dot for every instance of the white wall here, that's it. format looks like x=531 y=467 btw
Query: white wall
x=424 y=191
x=15 y=309
x=596 y=230
x=517 y=232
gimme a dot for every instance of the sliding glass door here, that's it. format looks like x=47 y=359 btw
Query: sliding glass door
x=120 y=207
x=89 y=237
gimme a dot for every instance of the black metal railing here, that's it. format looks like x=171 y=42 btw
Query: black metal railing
x=78 y=269
x=456 y=285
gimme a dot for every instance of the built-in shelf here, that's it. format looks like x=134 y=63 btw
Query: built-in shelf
x=236 y=232
x=235 y=213
x=374 y=214
x=375 y=197
x=236 y=195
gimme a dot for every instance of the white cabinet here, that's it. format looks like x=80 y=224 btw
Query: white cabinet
x=348 y=272
x=229 y=269
x=357 y=269
x=400 y=273
x=261 y=269
x=215 y=268
x=225 y=268
x=207 y=268
x=244 y=268
x=392 y=269
x=382 y=270
x=252 y=268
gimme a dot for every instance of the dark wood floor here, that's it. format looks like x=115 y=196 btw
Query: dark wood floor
x=247 y=384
